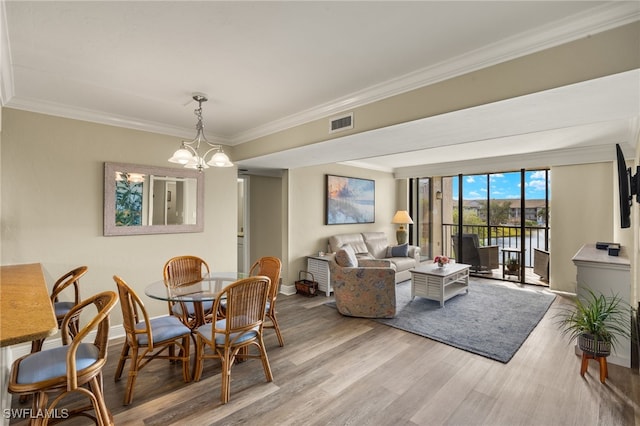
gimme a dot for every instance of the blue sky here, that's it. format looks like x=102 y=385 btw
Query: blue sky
x=503 y=186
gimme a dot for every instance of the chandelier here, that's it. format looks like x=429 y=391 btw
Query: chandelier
x=189 y=152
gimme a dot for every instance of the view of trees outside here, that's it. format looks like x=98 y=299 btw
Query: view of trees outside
x=502 y=193
x=491 y=208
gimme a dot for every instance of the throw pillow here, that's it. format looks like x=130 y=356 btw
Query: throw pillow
x=346 y=257
x=398 y=251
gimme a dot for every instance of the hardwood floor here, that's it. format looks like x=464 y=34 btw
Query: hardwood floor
x=335 y=370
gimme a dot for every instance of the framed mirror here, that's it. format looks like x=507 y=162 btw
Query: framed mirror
x=152 y=200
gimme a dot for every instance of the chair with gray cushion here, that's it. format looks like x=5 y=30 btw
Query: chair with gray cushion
x=73 y=368
x=148 y=339
x=270 y=266
x=231 y=338
x=185 y=270
x=363 y=287
x=62 y=307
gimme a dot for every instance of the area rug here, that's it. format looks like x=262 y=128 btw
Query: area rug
x=491 y=320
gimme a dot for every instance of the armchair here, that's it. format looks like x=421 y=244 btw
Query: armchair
x=366 y=290
x=481 y=259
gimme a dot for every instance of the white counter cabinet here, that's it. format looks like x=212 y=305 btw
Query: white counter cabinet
x=608 y=275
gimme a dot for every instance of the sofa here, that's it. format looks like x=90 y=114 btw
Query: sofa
x=363 y=287
x=374 y=245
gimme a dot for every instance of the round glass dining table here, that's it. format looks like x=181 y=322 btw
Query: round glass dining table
x=205 y=290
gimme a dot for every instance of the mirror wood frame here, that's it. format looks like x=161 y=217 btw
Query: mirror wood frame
x=110 y=228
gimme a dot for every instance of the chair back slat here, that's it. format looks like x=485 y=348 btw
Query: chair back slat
x=246 y=302
x=70 y=278
x=140 y=347
x=104 y=303
x=271 y=267
x=133 y=313
x=184 y=270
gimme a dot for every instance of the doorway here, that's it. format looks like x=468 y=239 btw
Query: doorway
x=243 y=224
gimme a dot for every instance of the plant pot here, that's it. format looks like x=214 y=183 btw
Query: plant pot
x=587 y=343
x=513 y=267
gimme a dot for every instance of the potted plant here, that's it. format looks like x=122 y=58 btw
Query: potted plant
x=513 y=265
x=596 y=322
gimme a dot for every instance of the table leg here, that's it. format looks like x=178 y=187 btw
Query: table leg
x=6 y=358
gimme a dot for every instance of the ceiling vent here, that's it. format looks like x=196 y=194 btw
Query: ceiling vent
x=341 y=123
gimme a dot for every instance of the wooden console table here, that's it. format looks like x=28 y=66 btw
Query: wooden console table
x=25 y=307
x=26 y=314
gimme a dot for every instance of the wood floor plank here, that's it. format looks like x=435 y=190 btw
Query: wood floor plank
x=335 y=370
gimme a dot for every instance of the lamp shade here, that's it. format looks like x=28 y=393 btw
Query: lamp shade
x=220 y=159
x=181 y=156
x=402 y=217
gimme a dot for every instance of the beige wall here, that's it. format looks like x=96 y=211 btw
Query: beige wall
x=582 y=211
x=307 y=230
x=52 y=197
x=266 y=225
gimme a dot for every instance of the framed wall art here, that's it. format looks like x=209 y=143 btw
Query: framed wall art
x=350 y=200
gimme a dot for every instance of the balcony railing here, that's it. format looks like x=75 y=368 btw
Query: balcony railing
x=503 y=236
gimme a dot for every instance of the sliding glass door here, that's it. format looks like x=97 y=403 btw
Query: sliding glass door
x=493 y=221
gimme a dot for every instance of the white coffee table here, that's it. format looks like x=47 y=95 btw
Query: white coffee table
x=441 y=284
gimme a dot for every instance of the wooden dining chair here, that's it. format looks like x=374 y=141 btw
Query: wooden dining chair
x=240 y=330
x=71 y=278
x=74 y=368
x=185 y=270
x=148 y=339
x=270 y=266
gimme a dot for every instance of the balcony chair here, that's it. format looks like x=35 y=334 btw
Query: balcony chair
x=231 y=338
x=541 y=263
x=66 y=369
x=270 y=266
x=482 y=259
x=147 y=339
x=363 y=287
x=183 y=270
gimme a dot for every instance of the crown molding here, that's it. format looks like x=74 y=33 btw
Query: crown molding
x=74 y=113
x=597 y=20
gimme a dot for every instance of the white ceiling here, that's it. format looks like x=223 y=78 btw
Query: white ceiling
x=267 y=66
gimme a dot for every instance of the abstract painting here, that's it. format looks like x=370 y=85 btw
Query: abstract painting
x=350 y=200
